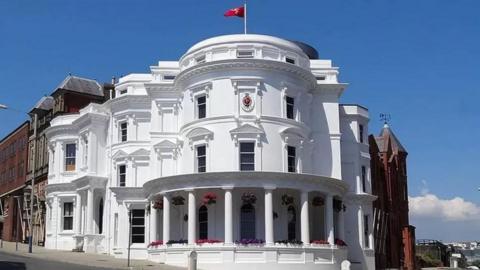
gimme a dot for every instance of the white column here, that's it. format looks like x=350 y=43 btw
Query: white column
x=304 y=218
x=329 y=219
x=269 y=216
x=166 y=218
x=228 y=217
x=341 y=224
x=360 y=227
x=153 y=223
x=78 y=213
x=92 y=152
x=192 y=218
x=89 y=229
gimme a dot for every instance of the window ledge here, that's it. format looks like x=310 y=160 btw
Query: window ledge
x=68 y=173
x=67 y=232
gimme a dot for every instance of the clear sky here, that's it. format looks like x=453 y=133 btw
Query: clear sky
x=415 y=59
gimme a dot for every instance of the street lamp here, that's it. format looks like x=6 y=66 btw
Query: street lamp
x=30 y=231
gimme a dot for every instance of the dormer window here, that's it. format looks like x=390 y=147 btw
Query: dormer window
x=320 y=78
x=169 y=77
x=245 y=54
x=122 y=92
x=200 y=59
x=290 y=60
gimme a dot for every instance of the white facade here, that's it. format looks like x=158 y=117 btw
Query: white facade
x=189 y=128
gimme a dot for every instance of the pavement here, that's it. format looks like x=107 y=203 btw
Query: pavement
x=48 y=259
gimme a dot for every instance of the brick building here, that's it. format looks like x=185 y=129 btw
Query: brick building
x=13 y=160
x=394 y=237
x=70 y=96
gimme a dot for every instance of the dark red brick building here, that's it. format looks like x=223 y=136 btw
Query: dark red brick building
x=394 y=237
x=13 y=162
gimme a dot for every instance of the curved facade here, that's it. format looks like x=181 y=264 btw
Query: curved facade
x=239 y=151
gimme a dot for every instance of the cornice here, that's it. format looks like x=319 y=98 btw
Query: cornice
x=63 y=187
x=240 y=179
x=60 y=129
x=250 y=64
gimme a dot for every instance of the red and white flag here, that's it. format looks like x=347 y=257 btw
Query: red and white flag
x=238 y=12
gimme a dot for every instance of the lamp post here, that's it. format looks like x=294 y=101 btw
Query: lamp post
x=32 y=194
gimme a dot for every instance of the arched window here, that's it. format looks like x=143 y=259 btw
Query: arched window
x=292 y=223
x=203 y=222
x=100 y=217
x=247 y=222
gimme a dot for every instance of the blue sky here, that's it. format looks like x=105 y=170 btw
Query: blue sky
x=415 y=59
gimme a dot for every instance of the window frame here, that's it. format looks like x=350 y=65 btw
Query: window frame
x=67 y=217
x=141 y=226
x=366 y=232
x=240 y=153
x=120 y=175
x=292 y=168
x=245 y=56
x=123 y=137
x=244 y=233
x=198 y=109
x=289 y=107
x=73 y=157
x=363 y=176
x=361 y=133
x=203 y=224
x=198 y=157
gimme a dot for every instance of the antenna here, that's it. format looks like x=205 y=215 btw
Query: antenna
x=385 y=117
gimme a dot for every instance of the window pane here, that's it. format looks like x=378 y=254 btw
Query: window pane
x=138 y=213
x=138 y=239
x=247 y=158
x=247 y=167
x=201 y=151
x=247 y=147
x=68 y=223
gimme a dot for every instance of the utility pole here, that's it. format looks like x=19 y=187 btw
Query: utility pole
x=32 y=194
x=129 y=235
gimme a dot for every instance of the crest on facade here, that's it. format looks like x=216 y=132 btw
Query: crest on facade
x=247 y=102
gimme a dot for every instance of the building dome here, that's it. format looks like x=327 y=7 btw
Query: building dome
x=248 y=38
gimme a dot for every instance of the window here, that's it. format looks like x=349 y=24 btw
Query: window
x=100 y=217
x=290 y=103
x=203 y=222
x=290 y=60
x=68 y=216
x=200 y=59
x=320 y=78
x=365 y=227
x=292 y=223
x=360 y=128
x=123 y=132
x=201 y=159
x=124 y=91
x=138 y=226
x=169 y=77
x=245 y=54
x=247 y=222
x=70 y=155
x=247 y=156
x=364 y=179
x=291 y=158
x=122 y=175
x=201 y=107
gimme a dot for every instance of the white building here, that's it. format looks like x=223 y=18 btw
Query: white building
x=242 y=138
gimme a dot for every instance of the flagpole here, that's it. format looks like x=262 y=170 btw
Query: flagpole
x=245 y=15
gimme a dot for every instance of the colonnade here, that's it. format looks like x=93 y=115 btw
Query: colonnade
x=269 y=218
